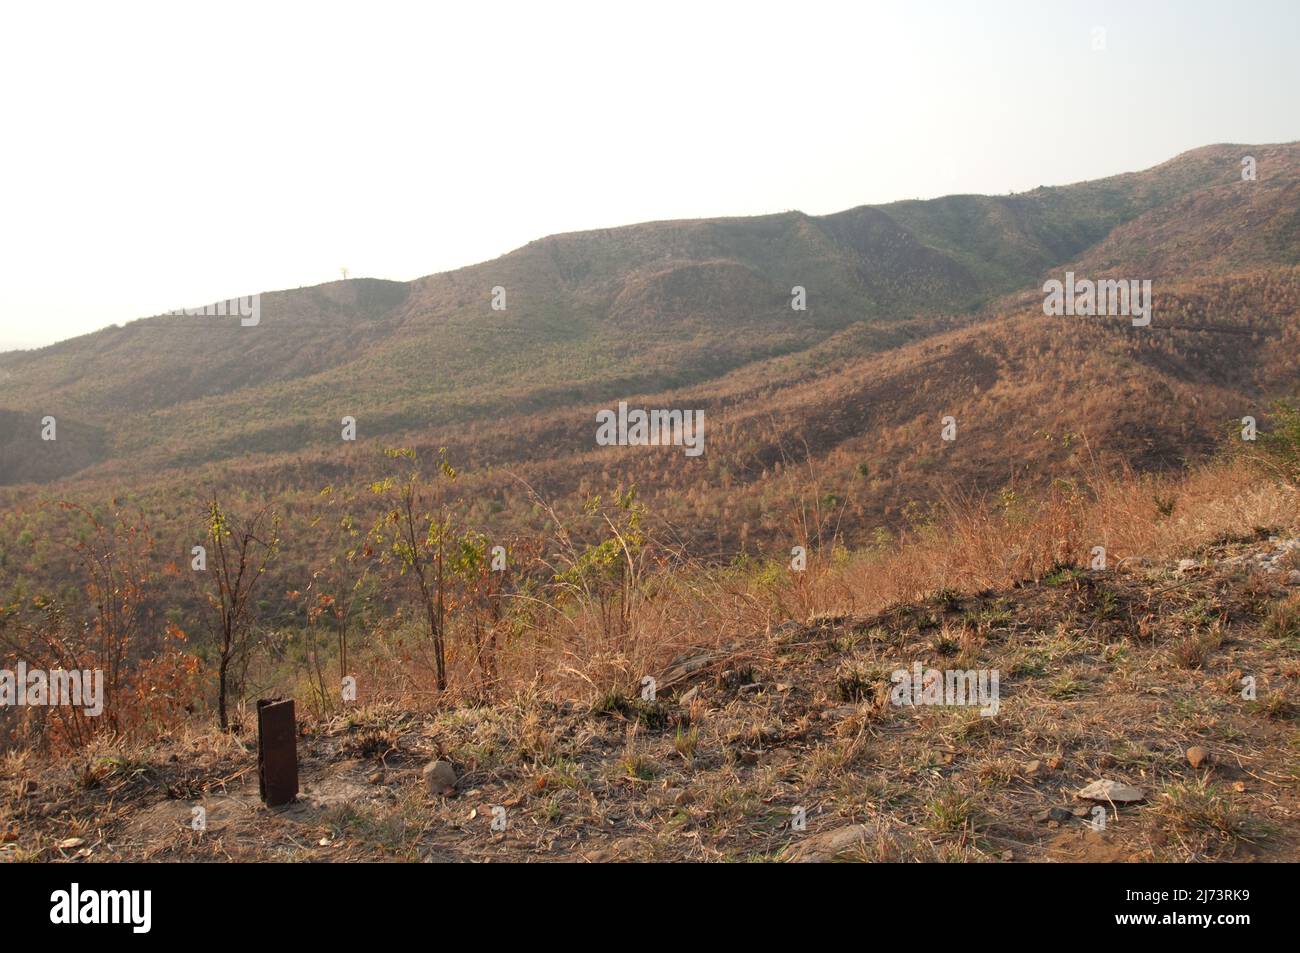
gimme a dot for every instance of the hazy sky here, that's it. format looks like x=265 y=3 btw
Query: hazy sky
x=160 y=155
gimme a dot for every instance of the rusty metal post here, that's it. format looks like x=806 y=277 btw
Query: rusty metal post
x=277 y=751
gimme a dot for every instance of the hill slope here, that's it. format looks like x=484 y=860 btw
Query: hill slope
x=1132 y=674
x=595 y=316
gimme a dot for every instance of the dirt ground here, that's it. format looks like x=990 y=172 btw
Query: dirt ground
x=786 y=746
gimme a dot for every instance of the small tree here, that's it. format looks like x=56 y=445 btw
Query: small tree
x=604 y=576
x=480 y=595
x=414 y=536
x=342 y=577
x=104 y=630
x=114 y=555
x=241 y=551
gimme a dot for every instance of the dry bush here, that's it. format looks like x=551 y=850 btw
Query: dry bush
x=108 y=635
x=571 y=651
x=975 y=545
x=580 y=642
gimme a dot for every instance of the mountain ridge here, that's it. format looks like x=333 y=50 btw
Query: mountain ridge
x=659 y=310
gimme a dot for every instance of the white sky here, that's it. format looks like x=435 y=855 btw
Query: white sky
x=160 y=155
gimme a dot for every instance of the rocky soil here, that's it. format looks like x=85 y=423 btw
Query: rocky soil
x=1144 y=713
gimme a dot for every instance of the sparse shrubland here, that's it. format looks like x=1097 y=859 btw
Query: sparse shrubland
x=773 y=683
x=636 y=654
x=605 y=599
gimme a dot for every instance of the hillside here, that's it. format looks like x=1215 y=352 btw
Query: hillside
x=824 y=424
x=775 y=702
x=921 y=469
x=593 y=317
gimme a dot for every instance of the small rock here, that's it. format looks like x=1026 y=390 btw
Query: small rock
x=690 y=696
x=1008 y=855
x=439 y=777
x=1081 y=810
x=1293 y=577
x=1107 y=790
x=1033 y=767
x=826 y=846
x=1239 y=787
x=70 y=843
x=1057 y=814
x=1196 y=756
x=777 y=757
x=1185 y=565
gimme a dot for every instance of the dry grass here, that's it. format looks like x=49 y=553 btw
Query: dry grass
x=1104 y=674
x=971 y=546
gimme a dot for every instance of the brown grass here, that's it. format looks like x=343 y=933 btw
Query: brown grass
x=971 y=545
x=1104 y=675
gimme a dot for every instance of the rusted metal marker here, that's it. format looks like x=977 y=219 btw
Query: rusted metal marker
x=277 y=751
